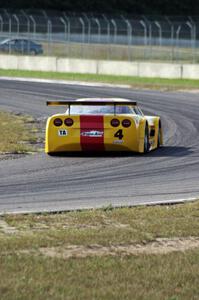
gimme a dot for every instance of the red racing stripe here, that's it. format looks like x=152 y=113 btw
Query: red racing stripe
x=92 y=133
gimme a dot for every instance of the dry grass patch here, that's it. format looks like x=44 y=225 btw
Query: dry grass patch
x=19 y=134
x=121 y=52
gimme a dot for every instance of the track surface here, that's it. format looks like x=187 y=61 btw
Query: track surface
x=39 y=182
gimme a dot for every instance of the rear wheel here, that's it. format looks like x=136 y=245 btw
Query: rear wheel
x=146 y=139
x=159 y=136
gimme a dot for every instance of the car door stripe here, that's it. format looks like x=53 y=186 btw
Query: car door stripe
x=92 y=133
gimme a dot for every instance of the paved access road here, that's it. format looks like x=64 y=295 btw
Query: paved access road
x=40 y=182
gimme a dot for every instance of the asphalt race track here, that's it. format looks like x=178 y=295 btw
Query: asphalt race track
x=42 y=183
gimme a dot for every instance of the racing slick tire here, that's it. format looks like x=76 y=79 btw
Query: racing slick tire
x=159 y=136
x=146 y=139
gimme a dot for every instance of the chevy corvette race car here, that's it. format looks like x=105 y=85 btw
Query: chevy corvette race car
x=94 y=124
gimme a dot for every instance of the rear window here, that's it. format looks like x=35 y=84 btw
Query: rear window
x=99 y=110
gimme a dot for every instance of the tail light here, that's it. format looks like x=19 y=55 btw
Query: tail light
x=58 y=122
x=115 y=122
x=126 y=123
x=68 y=122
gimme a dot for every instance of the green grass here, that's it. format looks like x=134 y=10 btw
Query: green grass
x=134 y=82
x=17 y=133
x=29 y=273
x=169 y=277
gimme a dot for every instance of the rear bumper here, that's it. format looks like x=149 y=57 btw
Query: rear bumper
x=92 y=148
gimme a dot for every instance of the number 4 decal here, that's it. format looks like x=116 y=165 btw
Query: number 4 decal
x=119 y=134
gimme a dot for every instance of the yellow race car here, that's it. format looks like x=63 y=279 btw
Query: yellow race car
x=95 y=124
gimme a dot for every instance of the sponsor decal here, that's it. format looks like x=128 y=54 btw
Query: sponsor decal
x=118 y=142
x=62 y=132
x=93 y=133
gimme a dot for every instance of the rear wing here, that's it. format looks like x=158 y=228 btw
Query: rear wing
x=91 y=102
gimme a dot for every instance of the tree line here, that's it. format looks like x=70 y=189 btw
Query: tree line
x=148 y=7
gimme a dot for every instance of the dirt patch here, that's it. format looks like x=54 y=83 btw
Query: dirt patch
x=159 y=246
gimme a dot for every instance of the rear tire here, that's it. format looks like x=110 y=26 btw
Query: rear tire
x=146 y=140
x=159 y=136
x=51 y=153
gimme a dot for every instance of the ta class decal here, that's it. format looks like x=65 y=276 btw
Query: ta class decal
x=62 y=132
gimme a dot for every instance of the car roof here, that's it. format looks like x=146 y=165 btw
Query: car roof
x=16 y=39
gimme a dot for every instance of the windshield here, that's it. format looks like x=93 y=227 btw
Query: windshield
x=100 y=109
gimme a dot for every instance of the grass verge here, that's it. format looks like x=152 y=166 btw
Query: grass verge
x=122 y=52
x=88 y=254
x=18 y=133
x=135 y=82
